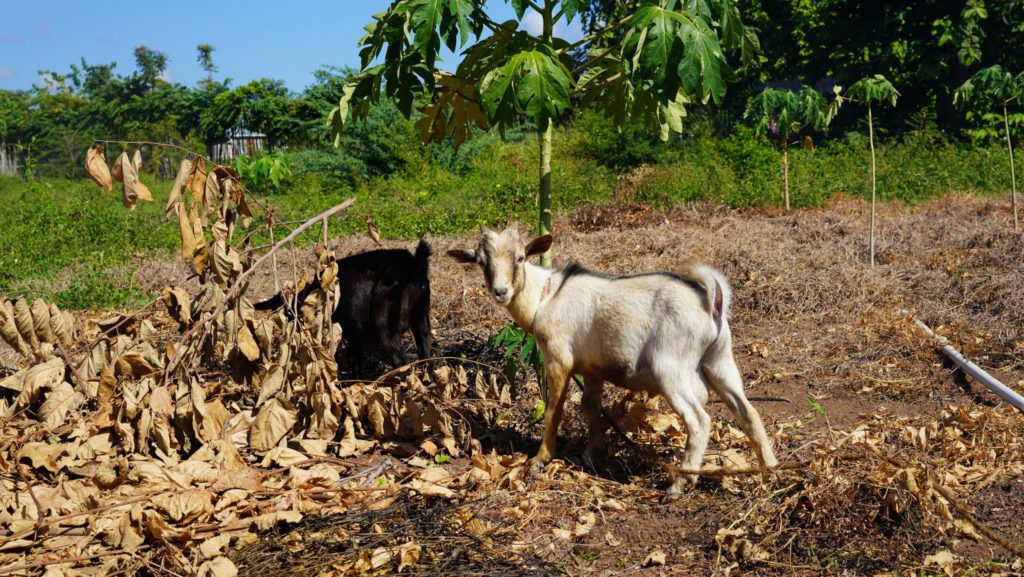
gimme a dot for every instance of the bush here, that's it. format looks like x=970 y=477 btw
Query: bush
x=263 y=172
x=595 y=137
x=336 y=168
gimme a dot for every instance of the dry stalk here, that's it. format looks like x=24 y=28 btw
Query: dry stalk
x=240 y=282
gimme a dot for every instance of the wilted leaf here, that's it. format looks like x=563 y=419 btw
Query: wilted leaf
x=180 y=181
x=218 y=567
x=655 y=559
x=408 y=555
x=197 y=179
x=61 y=400
x=9 y=329
x=246 y=343
x=132 y=189
x=96 y=166
x=42 y=455
x=271 y=424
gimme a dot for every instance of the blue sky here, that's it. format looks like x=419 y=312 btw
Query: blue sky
x=253 y=39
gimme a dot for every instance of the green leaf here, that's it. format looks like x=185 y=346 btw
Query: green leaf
x=874 y=89
x=538 y=412
x=520 y=7
x=533 y=82
x=701 y=68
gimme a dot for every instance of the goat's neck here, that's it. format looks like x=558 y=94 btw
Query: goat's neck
x=523 y=306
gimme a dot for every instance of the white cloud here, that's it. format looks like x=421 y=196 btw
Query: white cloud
x=167 y=75
x=532 y=22
x=6 y=73
x=570 y=33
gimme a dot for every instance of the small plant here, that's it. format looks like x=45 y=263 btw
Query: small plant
x=585 y=558
x=521 y=351
x=264 y=172
x=875 y=89
x=441 y=458
x=999 y=87
x=817 y=410
x=781 y=114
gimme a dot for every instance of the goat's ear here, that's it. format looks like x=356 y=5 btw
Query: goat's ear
x=462 y=255
x=539 y=245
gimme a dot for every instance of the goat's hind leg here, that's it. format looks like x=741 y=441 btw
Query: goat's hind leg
x=722 y=375
x=687 y=394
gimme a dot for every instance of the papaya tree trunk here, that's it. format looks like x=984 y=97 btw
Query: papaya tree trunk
x=544 y=136
x=871 y=141
x=1013 y=176
x=785 y=174
x=547 y=12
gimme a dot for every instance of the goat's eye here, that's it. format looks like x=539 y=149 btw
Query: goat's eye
x=520 y=259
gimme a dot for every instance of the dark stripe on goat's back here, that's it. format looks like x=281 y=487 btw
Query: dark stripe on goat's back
x=576 y=269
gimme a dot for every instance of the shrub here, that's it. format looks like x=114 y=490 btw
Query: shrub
x=595 y=137
x=263 y=172
x=336 y=168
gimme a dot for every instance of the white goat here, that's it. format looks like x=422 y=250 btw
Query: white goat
x=658 y=332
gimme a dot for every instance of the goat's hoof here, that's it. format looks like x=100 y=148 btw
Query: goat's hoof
x=681 y=486
x=536 y=465
x=593 y=460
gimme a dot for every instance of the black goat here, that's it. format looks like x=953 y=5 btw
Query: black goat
x=384 y=293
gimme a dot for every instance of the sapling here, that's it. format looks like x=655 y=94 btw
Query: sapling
x=997 y=86
x=868 y=91
x=781 y=114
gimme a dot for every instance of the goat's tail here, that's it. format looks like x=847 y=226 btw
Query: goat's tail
x=717 y=289
x=423 y=253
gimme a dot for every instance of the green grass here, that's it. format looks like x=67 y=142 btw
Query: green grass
x=72 y=243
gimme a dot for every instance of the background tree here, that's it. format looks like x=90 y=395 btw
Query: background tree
x=205 y=60
x=663 y=55
x=782 y=114
x=998 y=87
x=868 y=91
x=151 y=64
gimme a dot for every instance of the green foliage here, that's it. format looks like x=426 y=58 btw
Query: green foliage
x=671 y=53
x=987 y=96
x=520 y=351
x=597 y=138
x=337 y=169
x=264 y=172
x=786 y=112
x=873 y=89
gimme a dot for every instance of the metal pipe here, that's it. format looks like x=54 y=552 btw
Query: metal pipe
x=1009 y=395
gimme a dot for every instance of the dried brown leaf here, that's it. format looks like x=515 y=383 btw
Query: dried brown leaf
x=271 y=424
x=218 y=567
x=96 y=166
x=180 y=182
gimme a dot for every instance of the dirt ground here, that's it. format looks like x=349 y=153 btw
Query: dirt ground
x=867 y=417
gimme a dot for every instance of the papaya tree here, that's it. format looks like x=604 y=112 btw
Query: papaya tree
x=867 y=91
x=645 y=67
x=781 y=114
x=996 y=86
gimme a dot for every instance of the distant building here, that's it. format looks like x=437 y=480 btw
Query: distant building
x=238 y=141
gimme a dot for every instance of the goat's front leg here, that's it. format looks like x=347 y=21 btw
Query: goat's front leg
x=558 y=375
